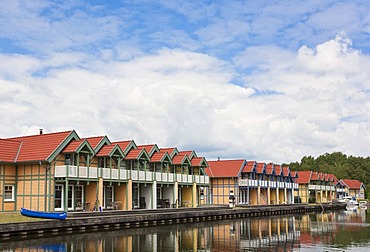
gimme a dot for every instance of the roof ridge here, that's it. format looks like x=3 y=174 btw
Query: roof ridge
x=36 y=135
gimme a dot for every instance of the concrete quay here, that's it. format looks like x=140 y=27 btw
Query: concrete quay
x=95 y=221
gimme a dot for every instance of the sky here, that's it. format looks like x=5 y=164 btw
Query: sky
x=270 y=81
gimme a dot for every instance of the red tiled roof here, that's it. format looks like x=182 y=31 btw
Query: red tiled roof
x=304 y=177
x=197 y=161
x=133 y=154
x=94 y=141
x=333 y=178
x=105 y=150
x=225 y=168
x=269 y=169
x=179 y=159
x=189 y=153
x=315 y=176
x=147 y=147
x=294 y=174
x=260 y=167
x=39 y=147
x=157 y=157
x=286 y=171
x=123 y=144
x=9 y=150
x=278 y=170
x=352 y=184
x=73 y=146
x=249 y=166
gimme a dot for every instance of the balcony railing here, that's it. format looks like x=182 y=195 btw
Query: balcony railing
x=71 y=171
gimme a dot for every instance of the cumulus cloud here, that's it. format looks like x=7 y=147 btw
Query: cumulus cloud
x=185 y=99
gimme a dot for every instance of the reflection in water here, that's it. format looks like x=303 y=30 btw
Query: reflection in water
x=322 y=231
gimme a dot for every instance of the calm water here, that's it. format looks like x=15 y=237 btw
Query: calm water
x=328 y=231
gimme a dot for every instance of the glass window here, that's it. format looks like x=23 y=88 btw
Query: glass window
x=58 y=197
x=9 y=193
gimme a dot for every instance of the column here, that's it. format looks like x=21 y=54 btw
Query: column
x=277 y=194
x=176 y=194
x=285 y=196
x=129 y=195
x=194 y=195
x=268 y=195
x=100 y=193
x=154 y=195
x=259 y=195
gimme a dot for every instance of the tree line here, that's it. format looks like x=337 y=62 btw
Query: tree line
x=337 y=163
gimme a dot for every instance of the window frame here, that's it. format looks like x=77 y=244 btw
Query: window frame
x=12 y=199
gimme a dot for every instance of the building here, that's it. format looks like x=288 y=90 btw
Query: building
x=62 y=171
x=349 y=187
x=250 y=182
x=315 y=187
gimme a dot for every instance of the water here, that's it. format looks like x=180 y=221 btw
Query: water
x=328 y=231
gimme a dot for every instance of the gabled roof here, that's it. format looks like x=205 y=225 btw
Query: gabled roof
x=150 y=148
x=9 y=150
x=315 y=176
x=126 y=146
x=304 y=177
x=250 y=166
x=225 y=168
x=76 y=146
x=260 y=169
x=181 y=159
x=97 y=142
x=199 y=161
x=171 y=151
x=191 y=154
x=160 y=157
x=43 y=147
x=352 y=184
x=286 y=171
x=333 y=178
x=278 y=170
x=270 y=169
x=294 y=174
x=110 y=150
x=135 y=154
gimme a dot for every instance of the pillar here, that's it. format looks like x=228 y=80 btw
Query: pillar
x=100 y=191
x=176 y=194
x=259 y=195
x=194 y=195
x=268 y=196
x=129 y=195
x=277 y=195
x=285 y=196
x=154 y=195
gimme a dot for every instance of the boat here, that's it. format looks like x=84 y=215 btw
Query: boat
x=351 y=202
x=363 y=204
x=44 y=215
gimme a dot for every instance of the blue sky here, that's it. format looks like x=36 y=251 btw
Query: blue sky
x=261 y=80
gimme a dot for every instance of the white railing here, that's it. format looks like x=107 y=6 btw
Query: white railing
x=71 y=171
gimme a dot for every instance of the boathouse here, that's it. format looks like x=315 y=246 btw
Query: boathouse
x=62 y=171
x=250 y=182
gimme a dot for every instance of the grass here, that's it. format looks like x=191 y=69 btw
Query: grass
x=13 y=217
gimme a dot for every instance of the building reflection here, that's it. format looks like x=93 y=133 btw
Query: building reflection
x=284 y=233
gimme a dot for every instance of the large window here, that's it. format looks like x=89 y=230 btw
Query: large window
x=108 y=196
x=58 y=197
x=9 y=193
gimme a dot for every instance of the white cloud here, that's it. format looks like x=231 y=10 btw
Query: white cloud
x=186 y=99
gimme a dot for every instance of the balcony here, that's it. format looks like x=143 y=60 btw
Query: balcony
x=71 y=171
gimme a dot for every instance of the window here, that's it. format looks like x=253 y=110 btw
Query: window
x=9 y=193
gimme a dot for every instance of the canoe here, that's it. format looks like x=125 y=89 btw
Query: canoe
x=44 y=215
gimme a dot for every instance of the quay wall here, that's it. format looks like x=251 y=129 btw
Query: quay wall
x=93 y=221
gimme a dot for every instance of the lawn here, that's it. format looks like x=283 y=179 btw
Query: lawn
x=11 y=217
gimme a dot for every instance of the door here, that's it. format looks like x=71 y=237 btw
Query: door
x=58 y=197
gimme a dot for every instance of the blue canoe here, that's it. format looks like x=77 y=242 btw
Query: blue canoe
x=44 y=215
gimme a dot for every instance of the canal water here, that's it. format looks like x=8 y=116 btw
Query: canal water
x=327 y=231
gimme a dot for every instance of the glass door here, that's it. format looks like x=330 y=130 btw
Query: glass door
x=58 y=197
